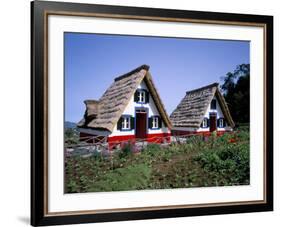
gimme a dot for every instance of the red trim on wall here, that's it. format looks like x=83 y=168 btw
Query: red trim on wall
x=207 y=133
x=121 y=138
x=159 y=138
x=116 y=140
x=151 y=138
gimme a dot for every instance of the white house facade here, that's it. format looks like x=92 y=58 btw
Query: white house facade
x=130 y=110
x=203 y=111
x=214 y=112
x=136 y=107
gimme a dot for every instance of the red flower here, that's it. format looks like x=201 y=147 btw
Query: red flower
x=232 y=140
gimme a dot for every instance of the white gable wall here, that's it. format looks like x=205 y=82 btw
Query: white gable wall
x=130 y=110
x=219 y=113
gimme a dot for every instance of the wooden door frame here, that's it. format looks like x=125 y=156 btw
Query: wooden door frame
x=216 y=115
x=147 y=118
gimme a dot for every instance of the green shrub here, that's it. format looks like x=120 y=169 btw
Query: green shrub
x=228 y=165
x=126 y=150
x=243 y=135
x=196 y=140
x=152 y=149
x=216 y=161
x=131 y=178
x=71 y=136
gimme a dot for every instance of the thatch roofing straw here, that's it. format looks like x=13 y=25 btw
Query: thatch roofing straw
x=115 y=99
x=91 y=108
x=192 y=108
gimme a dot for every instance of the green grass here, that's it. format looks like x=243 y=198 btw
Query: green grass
x=133 y=177
x=219 y=161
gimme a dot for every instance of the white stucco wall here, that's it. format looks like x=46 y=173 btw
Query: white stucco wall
x=219 y=113
x=130 y=110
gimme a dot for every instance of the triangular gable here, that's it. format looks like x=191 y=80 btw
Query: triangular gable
x=224 y=108
x=114 y=101
x=157 y=100
x=191 y=110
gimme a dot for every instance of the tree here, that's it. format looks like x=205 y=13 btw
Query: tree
x=236 y=89
x=71 y=136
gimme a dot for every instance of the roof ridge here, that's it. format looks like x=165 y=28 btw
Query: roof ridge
x=144 y=66
x=204 y=87
x=87 y=101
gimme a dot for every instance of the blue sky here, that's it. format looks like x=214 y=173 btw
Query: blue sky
x=177 y=65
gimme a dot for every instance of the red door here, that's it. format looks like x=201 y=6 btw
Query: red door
x=213 y=123
x=140 y=125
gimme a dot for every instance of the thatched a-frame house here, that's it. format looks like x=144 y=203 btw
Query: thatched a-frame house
x=129 y=109
x=202 y=110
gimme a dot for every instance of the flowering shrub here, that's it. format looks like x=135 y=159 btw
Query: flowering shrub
x=232 y=140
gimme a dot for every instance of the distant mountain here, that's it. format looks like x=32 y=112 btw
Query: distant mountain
x=68 y=124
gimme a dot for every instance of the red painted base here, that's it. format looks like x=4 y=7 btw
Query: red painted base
x=184 y=133
x=151 y=138
x=114 y=141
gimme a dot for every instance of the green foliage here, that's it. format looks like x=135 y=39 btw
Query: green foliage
x=133 y=177
x=79 y=171
x=236 y=87
x=197 y=162
x=153 y=152
x=126 y=150
x=243 y=127
x=226 y=165
x=71 y=136
x=152 y=149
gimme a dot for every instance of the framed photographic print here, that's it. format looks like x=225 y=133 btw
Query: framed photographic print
x=142 y=113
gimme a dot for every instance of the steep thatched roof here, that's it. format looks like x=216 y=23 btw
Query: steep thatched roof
x=115 y=99
x=191 y=110
x=92 y=107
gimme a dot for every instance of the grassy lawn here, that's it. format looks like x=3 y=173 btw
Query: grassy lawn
x=217 y=161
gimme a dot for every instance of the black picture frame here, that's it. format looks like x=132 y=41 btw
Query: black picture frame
x=39 y=110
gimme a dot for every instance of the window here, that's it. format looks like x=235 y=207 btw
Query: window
x=155 y=122
x=213 y=104
x=221 y=123
x=141 y=96
x=205 y=123
x=126 y=123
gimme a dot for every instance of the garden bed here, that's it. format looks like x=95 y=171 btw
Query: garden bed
x=218 y=161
